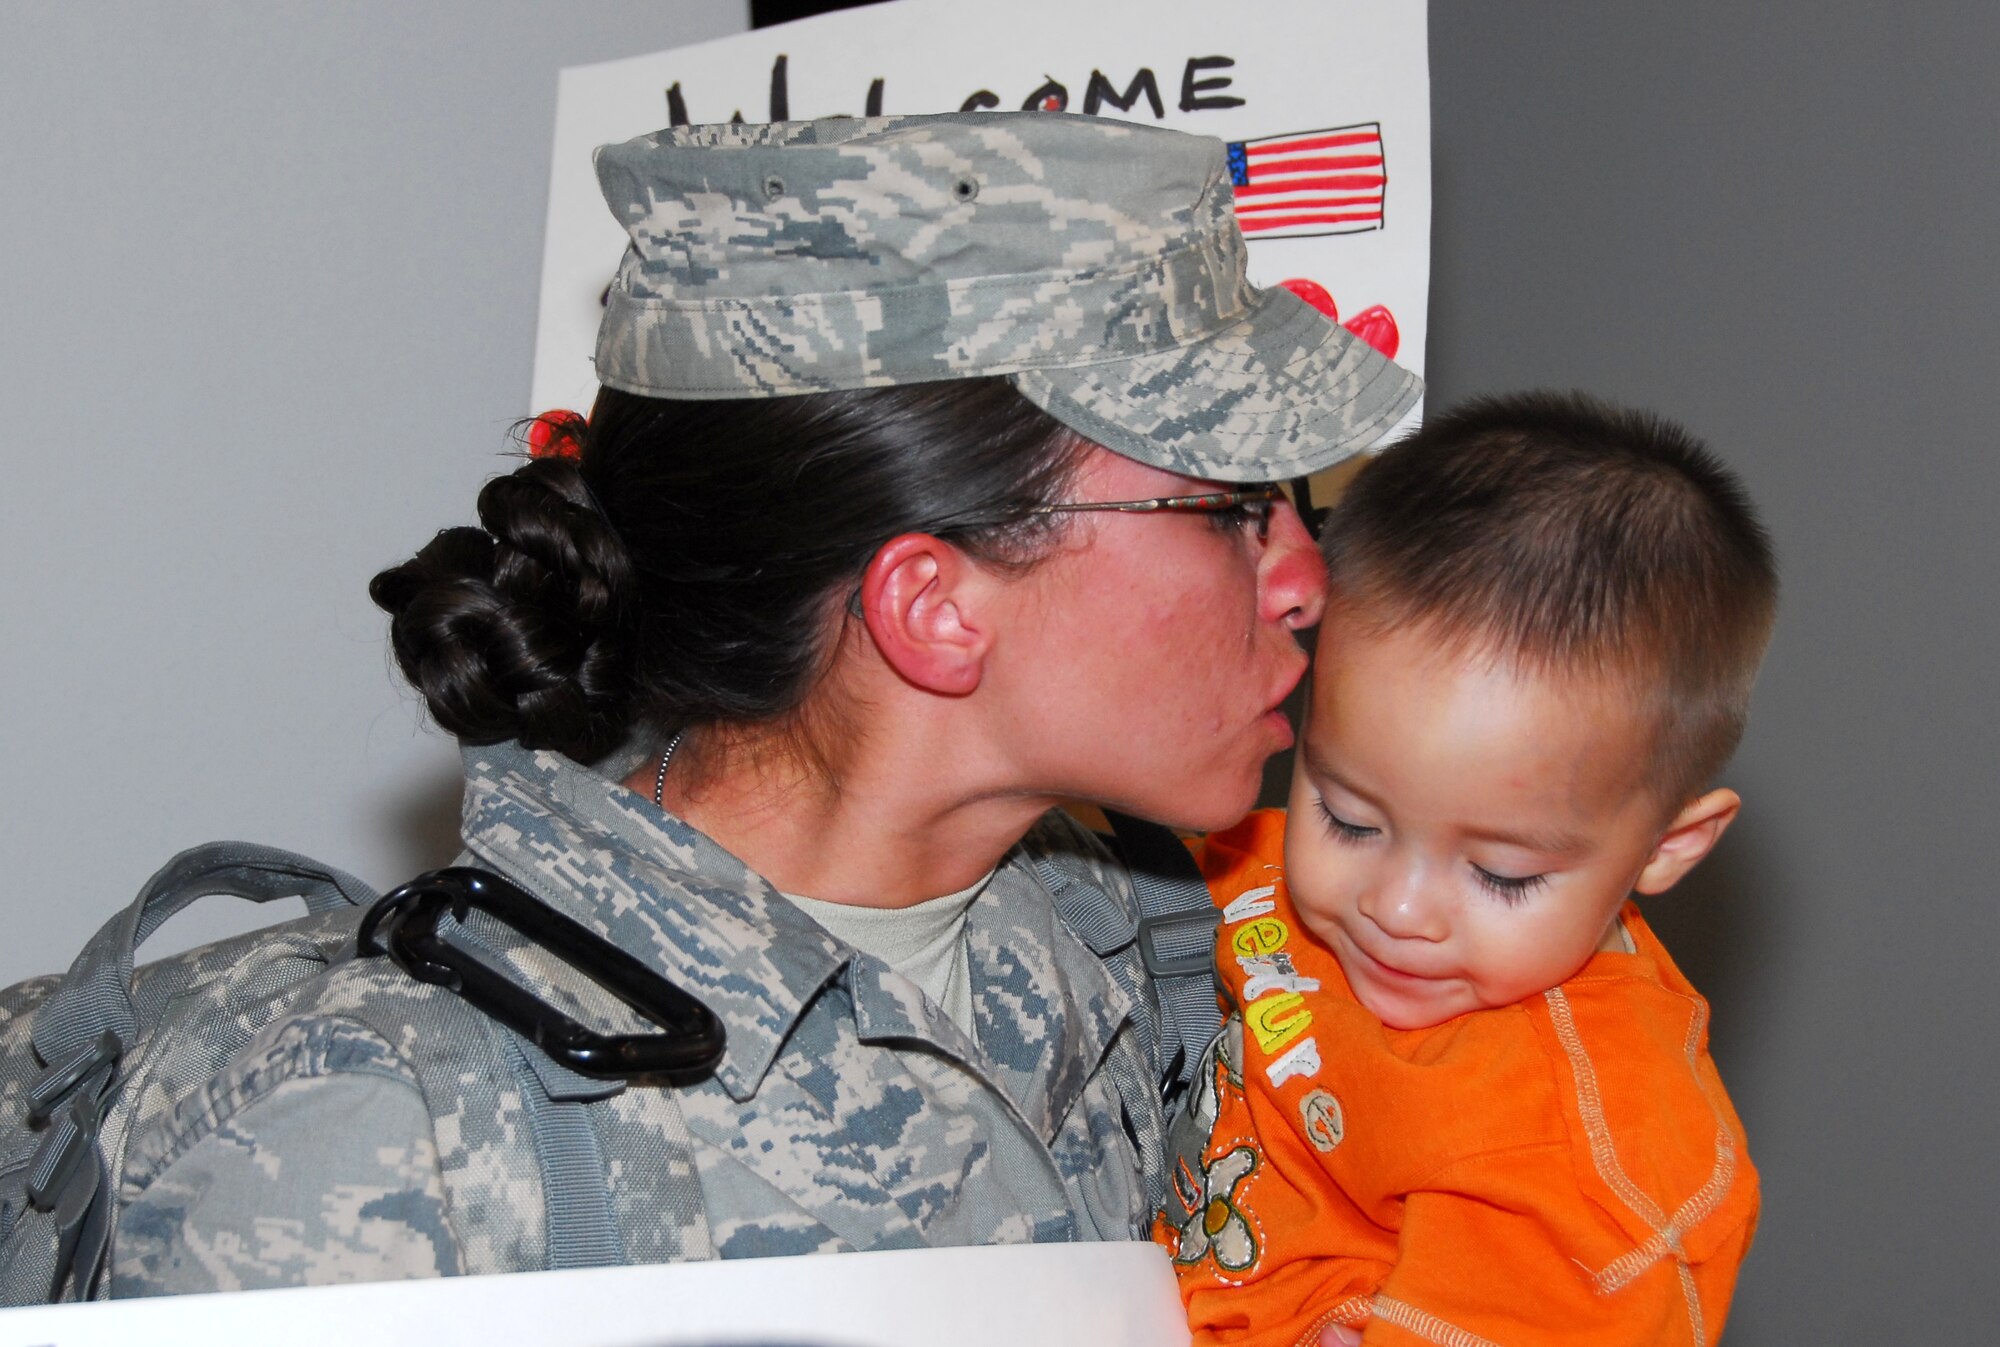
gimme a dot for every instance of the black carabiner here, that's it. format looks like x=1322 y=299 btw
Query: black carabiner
x=403 y=924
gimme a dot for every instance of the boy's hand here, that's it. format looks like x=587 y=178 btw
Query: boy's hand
x=1339 y=1335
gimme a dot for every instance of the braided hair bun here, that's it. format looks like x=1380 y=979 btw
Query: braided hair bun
x=518 y=629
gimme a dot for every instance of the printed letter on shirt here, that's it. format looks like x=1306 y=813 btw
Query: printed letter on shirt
x=1277 y=1020
x=1250 y=903
x=1302 y=1060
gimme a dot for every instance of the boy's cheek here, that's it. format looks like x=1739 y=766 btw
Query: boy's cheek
x=1307 y=878
x=1323 y=931
x=1313 y=880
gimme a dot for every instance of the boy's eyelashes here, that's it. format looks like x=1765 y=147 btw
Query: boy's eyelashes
x=1508 y=888
x=1342 y=829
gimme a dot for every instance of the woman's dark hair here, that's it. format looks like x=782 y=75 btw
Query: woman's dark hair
x=682 y=568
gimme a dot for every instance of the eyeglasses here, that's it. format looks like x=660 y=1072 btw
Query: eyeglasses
x=1252 y=505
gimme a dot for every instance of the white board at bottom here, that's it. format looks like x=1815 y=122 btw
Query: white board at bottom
x=1050 y=1295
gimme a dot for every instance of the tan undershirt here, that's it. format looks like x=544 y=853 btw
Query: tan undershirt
x=925 y=942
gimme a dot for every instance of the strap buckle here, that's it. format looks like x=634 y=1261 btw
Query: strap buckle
x=1179 y=944
x=54 y=1084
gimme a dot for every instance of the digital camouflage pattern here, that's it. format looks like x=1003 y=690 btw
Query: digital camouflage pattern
x=357 y=1137
x=99 y=1047
x=1096 y=262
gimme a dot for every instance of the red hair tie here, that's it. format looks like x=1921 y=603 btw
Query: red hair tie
x=556 y=434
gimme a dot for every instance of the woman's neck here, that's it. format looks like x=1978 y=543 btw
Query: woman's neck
x=889 y=817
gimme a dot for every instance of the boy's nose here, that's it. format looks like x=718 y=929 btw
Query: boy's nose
x=1407 y=910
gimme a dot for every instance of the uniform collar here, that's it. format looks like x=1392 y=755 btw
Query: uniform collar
x=657 y=888
x=1045 y=1008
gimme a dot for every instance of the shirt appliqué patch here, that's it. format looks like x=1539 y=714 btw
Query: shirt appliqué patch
x=1215 y=1226
x=1319 y=1115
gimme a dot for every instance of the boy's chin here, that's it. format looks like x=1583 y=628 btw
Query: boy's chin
x=1403 y=1019
x=1404 y=1009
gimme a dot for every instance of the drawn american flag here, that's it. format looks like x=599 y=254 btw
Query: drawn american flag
x=1330 y=181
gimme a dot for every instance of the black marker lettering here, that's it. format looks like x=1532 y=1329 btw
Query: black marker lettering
x=1101 y=92
x=781 y=98
x=1193 y=99
x=1052 y=96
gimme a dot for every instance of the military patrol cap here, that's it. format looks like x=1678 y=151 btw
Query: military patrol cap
x=1095 y=263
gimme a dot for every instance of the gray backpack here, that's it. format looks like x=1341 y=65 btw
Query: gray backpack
x=90 y=1058
x=83 y=1054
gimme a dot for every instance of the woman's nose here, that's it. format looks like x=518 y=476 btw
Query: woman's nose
x=1291 y=577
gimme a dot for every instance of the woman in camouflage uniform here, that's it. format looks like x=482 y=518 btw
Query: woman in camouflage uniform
x=774 y=677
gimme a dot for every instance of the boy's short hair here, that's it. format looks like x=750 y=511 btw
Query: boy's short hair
x=1572 y=537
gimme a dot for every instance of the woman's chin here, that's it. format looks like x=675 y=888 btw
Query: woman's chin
x=1206 y=809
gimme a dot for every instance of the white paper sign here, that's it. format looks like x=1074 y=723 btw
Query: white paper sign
x=1325 y=104
x=1025 y=1295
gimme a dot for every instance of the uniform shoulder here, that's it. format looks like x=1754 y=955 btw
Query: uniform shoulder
x=310 y=1158
x=296 y=1050
x=237 y=1037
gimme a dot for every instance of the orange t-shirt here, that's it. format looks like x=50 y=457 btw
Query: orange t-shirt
x=1564 y=1169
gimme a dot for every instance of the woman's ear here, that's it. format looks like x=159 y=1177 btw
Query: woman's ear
x=920 y=601
x=1691 y=836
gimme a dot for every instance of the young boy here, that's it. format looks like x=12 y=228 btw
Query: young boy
x=1464 y=1096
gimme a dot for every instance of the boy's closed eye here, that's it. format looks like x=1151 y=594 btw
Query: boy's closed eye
x=1344 y=829
x=1509 y=888
x=1506 y=887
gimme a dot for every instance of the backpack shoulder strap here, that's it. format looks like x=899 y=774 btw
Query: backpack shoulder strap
x=1173 y=936
x=1176 y=938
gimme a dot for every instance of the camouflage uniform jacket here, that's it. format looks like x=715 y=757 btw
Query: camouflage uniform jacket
x=848 y=1112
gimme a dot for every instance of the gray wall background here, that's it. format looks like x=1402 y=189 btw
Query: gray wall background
x=1776 y=222
x=266 y=308
x=268 y=279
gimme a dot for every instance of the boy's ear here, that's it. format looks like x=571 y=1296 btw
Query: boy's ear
x=1691 y=836
x=919 y=599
